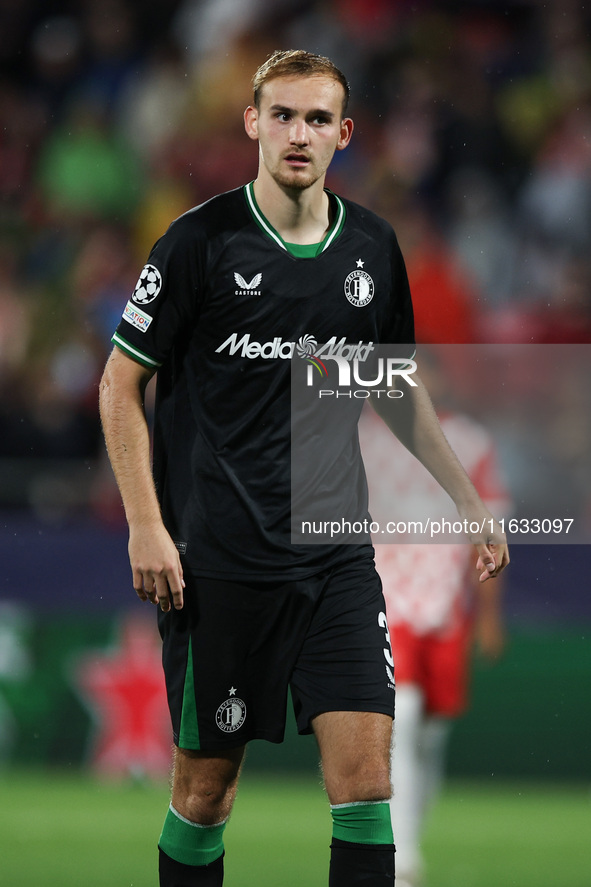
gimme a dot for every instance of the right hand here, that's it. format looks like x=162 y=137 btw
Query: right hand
x=156 y=567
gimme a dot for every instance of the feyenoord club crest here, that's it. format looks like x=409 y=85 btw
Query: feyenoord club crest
x=231 y=714
x=359 y=288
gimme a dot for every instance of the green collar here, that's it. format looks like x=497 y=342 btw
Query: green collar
x=299 y=250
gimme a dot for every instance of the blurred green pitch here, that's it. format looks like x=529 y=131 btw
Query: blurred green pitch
x=69 y=830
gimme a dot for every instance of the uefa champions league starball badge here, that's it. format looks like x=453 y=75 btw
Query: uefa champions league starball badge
x=148 y=285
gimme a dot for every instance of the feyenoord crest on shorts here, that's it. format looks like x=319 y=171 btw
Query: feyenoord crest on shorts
x=231 y=714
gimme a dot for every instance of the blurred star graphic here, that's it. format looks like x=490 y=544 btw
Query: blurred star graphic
x=124 y=690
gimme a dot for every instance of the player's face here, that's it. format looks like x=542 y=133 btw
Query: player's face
x=299 y=126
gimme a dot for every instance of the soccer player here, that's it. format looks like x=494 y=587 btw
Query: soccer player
x=227 y=293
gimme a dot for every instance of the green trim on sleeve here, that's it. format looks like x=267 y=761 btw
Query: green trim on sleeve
x=135 y=353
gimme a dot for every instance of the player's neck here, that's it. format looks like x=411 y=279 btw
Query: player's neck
x=299 y=216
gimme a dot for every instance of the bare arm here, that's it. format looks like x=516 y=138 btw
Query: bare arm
x=413 y=420
x=155 y=562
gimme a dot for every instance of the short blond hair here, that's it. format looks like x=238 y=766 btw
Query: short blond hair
x=297 y=63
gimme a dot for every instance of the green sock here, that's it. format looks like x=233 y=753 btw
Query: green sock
x=191 y=843
x=364 y=822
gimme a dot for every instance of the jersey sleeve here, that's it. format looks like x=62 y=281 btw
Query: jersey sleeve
x=165 y=302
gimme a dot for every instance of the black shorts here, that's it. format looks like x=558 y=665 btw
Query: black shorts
x=234 y=649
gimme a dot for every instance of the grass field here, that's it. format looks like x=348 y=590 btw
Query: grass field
x=61 y=830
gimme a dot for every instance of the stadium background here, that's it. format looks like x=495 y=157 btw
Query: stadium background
x=473 y=136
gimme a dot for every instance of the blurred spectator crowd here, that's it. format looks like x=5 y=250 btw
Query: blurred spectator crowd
x=473 y=137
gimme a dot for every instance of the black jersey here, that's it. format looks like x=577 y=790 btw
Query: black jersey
x=219 y=310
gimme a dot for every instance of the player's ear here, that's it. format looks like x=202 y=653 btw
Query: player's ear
x=346 y=133
x=251 y=121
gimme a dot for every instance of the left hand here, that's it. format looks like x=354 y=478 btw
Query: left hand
x=493 y=557
x=492 y=549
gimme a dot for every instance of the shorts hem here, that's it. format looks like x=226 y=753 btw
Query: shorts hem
x=229 y=743
x=307 y=729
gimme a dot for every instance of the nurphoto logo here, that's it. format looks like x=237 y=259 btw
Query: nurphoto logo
x=380 y=379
